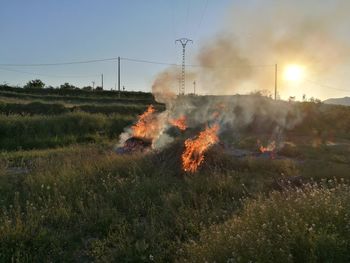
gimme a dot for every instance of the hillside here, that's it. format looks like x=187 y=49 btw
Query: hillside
x=339 y=101
x=68 y=196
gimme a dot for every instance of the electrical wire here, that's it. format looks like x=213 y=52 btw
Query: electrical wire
x=193 y=65
x=201 y=18
x=131 y=60
x=325 y=86
x=187 y=16
x=149 y=61
x=60 y=63
x=48 y=75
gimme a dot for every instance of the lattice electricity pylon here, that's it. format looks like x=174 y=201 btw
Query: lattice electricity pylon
x=183 y=42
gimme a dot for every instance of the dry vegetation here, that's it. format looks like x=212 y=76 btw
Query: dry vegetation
x=70 y=198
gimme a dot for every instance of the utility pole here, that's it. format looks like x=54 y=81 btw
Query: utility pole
x=276 y=81
x=102 y=81
x=93 y=85
x=194 y=87
x=119 y=75
x=183 y=42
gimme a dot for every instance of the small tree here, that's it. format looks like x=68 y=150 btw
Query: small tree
x=87 y=88
x=35 y=84
x=67 y=86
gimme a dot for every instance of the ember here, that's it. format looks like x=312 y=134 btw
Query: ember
x=193 y=156
x=179 y=123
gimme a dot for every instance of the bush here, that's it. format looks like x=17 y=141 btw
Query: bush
x=304 y=225
x=35 y=84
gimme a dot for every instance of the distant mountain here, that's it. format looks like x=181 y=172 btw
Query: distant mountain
x=340 y=101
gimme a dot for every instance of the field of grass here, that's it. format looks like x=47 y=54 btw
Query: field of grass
x=66 y=196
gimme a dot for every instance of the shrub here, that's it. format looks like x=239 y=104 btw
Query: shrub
x=35 y=84
x=303 y=225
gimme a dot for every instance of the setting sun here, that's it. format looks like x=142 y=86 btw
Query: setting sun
x=293 y=72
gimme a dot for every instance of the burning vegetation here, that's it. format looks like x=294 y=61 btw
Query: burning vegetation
x=179 y=123
x=193 y=156
x=147 y=125
x=155 y=131
x=270 y=149
x=142 y=133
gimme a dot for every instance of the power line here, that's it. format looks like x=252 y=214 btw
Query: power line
x=48 y=75
x=232 y=67
x=195 y=65
x=187 y=15
x=326 y=86
x=149 y=61
x=59 y=63
x=128 y=59
x=202 y=17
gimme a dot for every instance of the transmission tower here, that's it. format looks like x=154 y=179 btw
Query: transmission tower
x=183 y=42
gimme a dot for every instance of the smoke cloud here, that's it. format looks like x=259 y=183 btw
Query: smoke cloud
x=260 y=34
x=241 y=58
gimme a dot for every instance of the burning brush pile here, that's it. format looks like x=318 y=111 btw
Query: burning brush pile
x=196 y=124
x=142 y=133
x=150 y=130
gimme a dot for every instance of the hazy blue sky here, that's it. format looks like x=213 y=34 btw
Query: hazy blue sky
x=45 y=31
x=270 y=31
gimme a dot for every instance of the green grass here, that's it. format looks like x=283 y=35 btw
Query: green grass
x=100 y=206
x=304 y=225
x=85 y=203
x=78 y=93
x=66 y=196
x=33 y=108
x=75 y=99
x=33 y=132
x=39 y=108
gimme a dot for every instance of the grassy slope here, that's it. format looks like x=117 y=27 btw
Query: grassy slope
x=86 y=203
x=83 y=203
x=30 y=132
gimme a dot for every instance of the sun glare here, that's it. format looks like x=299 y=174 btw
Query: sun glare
x=293 y=72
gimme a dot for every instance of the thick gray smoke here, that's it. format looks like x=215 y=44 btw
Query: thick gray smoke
x=223 y=65
x=261 y=33
x=241 y=59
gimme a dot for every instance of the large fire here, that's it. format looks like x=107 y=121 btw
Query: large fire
x=193 y=156
x=179 y=123
x=147 y=125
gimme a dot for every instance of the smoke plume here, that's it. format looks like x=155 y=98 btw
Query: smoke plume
x=261 y=34
x=241 y=58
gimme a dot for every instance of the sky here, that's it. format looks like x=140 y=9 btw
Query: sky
x=42 y=31
x=52 y=31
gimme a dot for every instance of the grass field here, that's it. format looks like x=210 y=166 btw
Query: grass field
x=66 y=196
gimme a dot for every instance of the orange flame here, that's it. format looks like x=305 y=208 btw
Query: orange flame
x=269 y=148
x=147 y=125
x=180 y=123
x=193 y=156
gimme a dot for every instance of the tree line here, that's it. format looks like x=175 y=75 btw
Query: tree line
x=39 y=84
